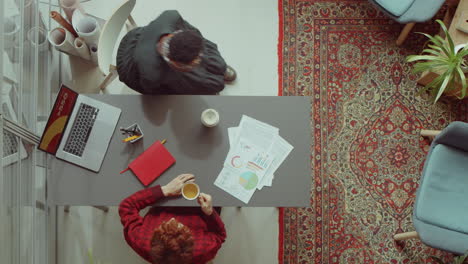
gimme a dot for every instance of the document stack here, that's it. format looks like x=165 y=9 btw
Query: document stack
x=256 y=152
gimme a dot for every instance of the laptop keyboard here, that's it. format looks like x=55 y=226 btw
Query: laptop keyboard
x=10 y=144
x=10 y=141
x=81 y=129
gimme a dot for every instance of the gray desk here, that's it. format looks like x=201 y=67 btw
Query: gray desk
x=197 y=149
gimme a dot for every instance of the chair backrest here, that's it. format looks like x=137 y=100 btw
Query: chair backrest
x=454 y=135
x=8 y=74
x=110 y=32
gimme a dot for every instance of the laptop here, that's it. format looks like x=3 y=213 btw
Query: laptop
x=79 y=129
x=13 y=148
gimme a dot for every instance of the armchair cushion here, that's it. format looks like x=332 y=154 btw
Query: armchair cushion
x=395 y=7
x=441 y=238
x=454 y=135
x=442 y=195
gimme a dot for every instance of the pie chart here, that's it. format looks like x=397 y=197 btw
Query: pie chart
x=248 y=180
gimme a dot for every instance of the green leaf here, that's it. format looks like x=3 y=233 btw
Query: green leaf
x=442 y=45
x=429 y=66
x=431 y=38
x=442 y=87
x=435 y=47
x=462 y=77
x=449 y=38
x=412 y=58
x=432 y=63
x=434 y=85
x=433 y=52
x=448 y=50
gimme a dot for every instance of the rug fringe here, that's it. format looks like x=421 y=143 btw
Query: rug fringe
x=280 y=48
x=280 y=93
x=280 y=234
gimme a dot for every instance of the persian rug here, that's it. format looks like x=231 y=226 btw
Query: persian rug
x=367 y=154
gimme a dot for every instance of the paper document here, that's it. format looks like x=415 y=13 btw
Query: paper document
x=267 y=180
x=240 y=186
x=256 y=131
x=259 y=133
x=256 y=152
x=232 y=134
x=280 y=150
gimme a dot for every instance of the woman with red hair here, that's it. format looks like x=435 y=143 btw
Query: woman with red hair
x=172 y=235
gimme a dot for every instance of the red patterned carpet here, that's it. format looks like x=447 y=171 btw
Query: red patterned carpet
x=367 y=153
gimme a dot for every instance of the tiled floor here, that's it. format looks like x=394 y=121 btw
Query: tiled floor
x=246 y=33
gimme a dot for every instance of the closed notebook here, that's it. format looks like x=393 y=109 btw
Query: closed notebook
x=151 y=163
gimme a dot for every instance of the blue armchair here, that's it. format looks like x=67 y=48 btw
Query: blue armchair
x=440 y=214
x=408 y=12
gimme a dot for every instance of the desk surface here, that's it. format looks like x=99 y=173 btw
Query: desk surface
x=197 y=149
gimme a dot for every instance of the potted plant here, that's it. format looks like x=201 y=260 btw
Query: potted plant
x=443 y=58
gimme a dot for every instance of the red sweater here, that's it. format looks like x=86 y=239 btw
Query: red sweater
x=208 y=231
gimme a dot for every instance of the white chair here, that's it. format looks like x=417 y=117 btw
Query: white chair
x=9 y=75
x=108 y=38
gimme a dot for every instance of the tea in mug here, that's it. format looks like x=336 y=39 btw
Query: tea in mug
x=190 y=191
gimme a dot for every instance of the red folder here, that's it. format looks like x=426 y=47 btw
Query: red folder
x=151 y=163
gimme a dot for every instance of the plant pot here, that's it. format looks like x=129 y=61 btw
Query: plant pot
x=455 y=92
x=457 y=49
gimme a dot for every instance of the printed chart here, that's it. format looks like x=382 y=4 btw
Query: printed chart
x=248 y=180
x=236 y=162
x=256 y=151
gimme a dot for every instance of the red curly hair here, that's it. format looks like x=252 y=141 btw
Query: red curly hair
x=172 y=243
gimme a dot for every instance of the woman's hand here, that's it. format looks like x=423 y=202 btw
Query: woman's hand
x=174 y=187
x=205 y=202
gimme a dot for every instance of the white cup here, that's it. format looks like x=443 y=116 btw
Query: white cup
x=210 y=118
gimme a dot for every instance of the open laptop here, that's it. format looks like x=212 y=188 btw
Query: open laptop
x=79 y=129
x=12 y=144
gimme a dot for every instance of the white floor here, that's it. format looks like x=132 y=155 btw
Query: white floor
x=246 y=32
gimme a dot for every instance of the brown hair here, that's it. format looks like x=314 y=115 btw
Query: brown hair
x=172 y=244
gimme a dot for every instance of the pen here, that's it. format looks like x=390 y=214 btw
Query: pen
x=163 y=141
x=130 y=138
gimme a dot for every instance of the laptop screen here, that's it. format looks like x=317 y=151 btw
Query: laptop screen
x=58 y=120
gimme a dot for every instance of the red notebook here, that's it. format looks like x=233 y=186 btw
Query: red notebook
x=151 y=163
